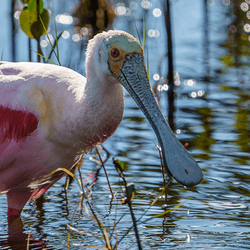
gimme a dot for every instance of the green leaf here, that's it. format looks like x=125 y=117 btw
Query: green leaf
x=31 y=26
x=118 y=164
x=167 y=211
x=25 y=1
x=27 y=18
x=39 y=27
x=32 y=6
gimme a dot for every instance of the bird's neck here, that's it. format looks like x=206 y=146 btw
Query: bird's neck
x=102 y=110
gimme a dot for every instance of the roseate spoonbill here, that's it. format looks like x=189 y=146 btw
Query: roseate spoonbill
x=51 y=115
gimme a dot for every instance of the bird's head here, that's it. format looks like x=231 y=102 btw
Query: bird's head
x=107 y=52
x=119 y=55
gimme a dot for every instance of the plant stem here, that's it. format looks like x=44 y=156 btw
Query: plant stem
x=13 y=31
x=171 y=109
x=131 y=210
x=38 y=39
x=105 y=172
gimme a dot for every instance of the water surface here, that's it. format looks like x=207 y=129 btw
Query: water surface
x=212 y=116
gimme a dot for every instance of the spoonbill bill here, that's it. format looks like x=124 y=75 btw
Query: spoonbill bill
x=51 y=115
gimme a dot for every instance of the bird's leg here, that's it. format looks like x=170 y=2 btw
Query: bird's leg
x=15 y=226
x=16 y=200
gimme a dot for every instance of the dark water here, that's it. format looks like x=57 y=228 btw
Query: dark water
x=212 y=116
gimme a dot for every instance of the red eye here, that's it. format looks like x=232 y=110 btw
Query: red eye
x=115 y=52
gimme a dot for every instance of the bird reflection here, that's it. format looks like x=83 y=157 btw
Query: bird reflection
x=17 y=238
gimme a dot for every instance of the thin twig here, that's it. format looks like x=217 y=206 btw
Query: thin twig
x=130 y=208
x=104 y=171
x=28 y=242
x=101 y=226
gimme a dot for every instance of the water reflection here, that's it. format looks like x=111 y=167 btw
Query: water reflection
x=204 y=140
x=237 y=56
x=242 y=120
x=212 y=118
x=17 y=238
x=237 y=43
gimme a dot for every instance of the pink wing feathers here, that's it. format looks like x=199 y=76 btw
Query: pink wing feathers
x=25 y=155
x=16 y=124
x=16 y=120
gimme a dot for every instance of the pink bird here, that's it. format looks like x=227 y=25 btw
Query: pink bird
x=51 y=115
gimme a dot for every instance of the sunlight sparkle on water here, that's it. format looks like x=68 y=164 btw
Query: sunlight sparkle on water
x=244 y=6
x=76 y=37
x=247 y=28
x=177 y=79
x=193 y=94
x=226 y=205
x=17 y=14
x=133 y=5
x=121 y=10
x=157 y=12
x=153 y=33
x=190 y=82
x=64 y=19
x=200 y=93
x=146 y=4
x=163 y=87
x=49 y=38
x=156 y=77
x=84 y=31
x=248 y=14
x=65 y=34
x=44 y=43
x=164 y=206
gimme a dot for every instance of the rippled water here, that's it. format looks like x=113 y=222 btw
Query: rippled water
x=212 y=115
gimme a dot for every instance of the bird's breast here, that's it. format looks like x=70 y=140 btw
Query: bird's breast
x=101 y=119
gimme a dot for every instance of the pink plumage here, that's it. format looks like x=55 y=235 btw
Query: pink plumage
x=50 y=116
x=16 y=124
